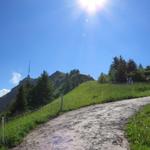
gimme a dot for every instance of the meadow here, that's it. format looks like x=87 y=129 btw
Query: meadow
x=138 y=130
x=86 y=94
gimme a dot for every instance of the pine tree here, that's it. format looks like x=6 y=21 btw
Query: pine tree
x=29 y=89
x=43 y=91
x=148 y=68
x=118 y=70
x=131 y=66
x=140 y=67
x=21 y=101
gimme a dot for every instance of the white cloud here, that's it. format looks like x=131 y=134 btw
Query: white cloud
x=4 y=92
x=16 y=77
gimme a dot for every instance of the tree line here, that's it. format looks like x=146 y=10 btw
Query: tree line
x=32 y=96
x=122 y=71
x=72 y=80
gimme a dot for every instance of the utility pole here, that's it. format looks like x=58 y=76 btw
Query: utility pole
x=29 y=70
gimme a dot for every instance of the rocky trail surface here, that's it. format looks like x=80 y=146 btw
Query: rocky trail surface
x=98 y=127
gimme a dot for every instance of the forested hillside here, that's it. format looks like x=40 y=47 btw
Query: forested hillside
x=61 y=82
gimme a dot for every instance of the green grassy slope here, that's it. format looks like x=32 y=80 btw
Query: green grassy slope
x=138 y=130
x=94 y=93
x=86 y=94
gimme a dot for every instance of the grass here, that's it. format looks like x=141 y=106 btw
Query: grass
x=138 y=130
x=88 y=93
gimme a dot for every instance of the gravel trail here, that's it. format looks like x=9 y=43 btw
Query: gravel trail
x=98 y=127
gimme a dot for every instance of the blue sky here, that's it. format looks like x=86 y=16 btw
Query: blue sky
x=59 y=35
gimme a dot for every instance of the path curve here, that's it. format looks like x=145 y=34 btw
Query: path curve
x=98 y=127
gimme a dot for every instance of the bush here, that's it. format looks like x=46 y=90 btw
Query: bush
x=103 y=78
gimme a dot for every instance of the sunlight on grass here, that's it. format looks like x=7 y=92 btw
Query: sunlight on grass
x=86 y=94
x=138 y=130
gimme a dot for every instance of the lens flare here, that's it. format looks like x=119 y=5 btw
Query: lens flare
x=92 y=6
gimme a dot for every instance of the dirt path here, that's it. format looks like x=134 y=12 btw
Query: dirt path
x=98 y=127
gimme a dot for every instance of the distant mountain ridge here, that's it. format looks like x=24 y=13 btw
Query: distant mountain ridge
x=58 y=79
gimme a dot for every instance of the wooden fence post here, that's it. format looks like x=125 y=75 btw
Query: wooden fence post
x=61 y=102
x=3 y=129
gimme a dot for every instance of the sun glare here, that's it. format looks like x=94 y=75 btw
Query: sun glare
x=92 y=6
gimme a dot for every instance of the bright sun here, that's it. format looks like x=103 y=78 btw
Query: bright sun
x=92 y=6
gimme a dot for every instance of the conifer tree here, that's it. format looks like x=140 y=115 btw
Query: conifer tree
x=43 y=91
x=118 y=70
x=21 y=101
x=131 y=66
